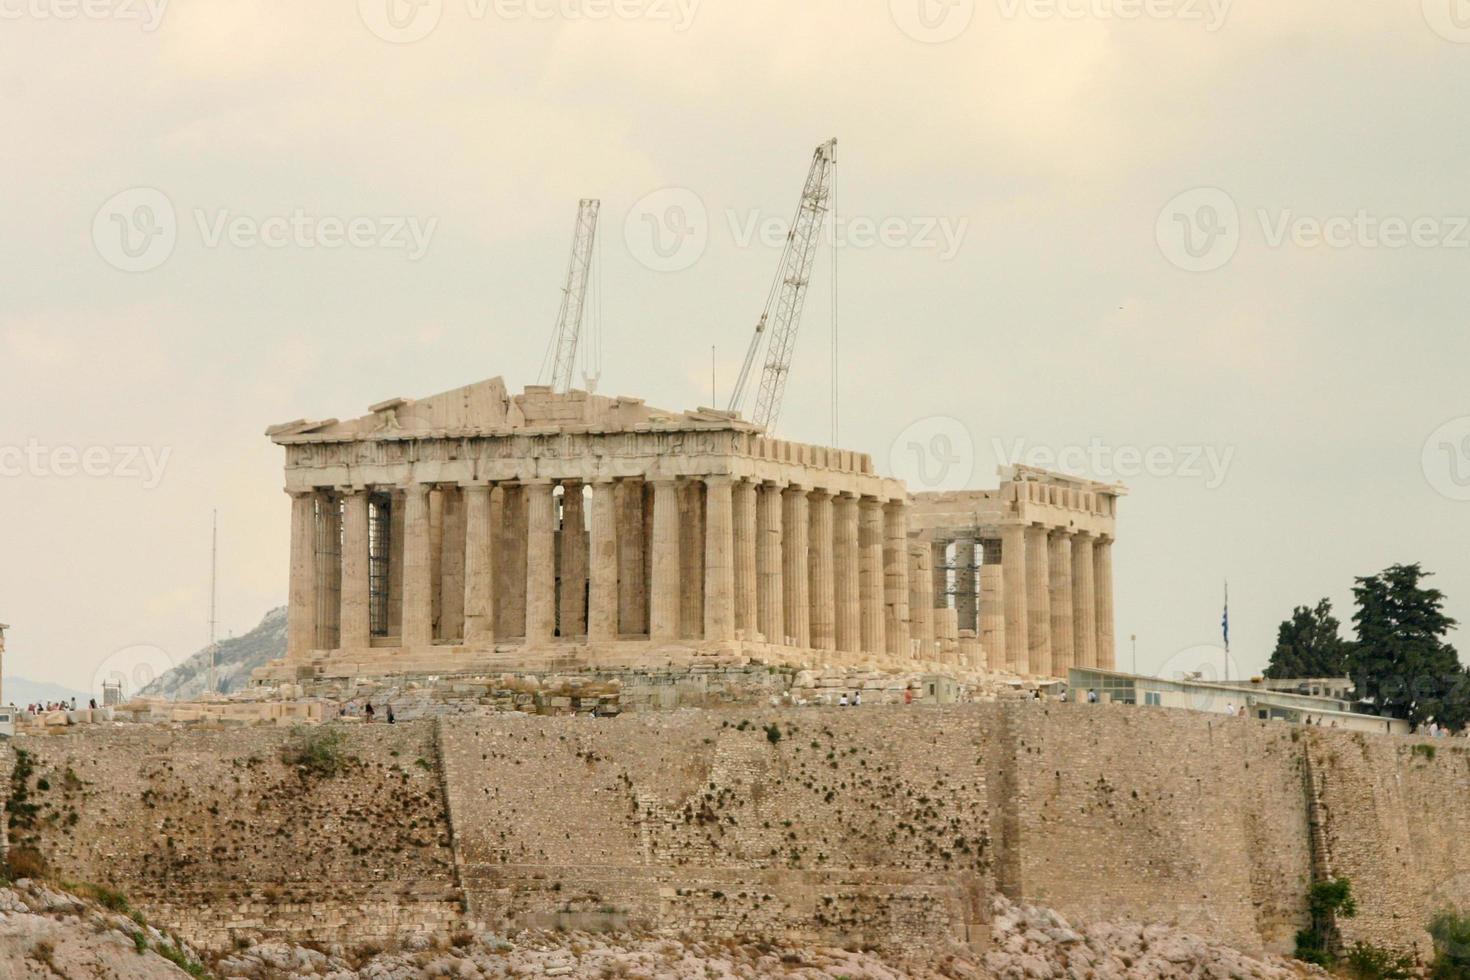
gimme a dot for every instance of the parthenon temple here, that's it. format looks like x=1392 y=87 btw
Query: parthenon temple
x=476 y=530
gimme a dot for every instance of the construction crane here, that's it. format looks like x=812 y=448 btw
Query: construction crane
x=562 y=354
x=782 y=315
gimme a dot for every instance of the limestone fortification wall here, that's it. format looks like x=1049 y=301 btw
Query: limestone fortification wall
x=885 y=825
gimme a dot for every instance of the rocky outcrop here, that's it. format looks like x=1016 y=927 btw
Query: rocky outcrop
x=234 y=659
x=46 y=933
x=1032 y=942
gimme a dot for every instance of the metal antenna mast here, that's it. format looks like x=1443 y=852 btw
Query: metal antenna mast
x=574 y=296
x=788 y=293
x=213 y=583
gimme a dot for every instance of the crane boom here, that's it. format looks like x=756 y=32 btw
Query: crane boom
x=782 y=314
x=574 y=296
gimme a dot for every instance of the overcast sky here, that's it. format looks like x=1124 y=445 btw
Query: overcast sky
x=1217 y=251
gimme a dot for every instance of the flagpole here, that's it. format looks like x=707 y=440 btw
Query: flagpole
x=1225 y=628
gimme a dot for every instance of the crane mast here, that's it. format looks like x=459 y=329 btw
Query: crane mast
x=782 y=314
x=574 y=296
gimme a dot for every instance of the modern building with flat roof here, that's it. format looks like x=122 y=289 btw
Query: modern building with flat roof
x=1218 y=697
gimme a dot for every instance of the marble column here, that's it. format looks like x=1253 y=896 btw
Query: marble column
x=418 y=622
x=796 y=602
x=770 y=601
x=939 y=572
x=1059 y=560
x=1102 y=585
x=896 y=579
x=301 y=585
x=1038 y=602
x=395 y=565
x=964 y=582
x=1084 y=610
x=508 y=523
x=664 y=578
x=992 y=604
x=747 y=604
x=632 y=591
x=847 y=574
x=1013 y=577
x=820 y=572
x=354 y=622
x=328 y=571
x=451 y=557
x=691 y=559
x=921 y=603
x=602 y=591
x=719 y=559
x=540 y=562
x=573 y=597
x=479 y=611
x=871 y=586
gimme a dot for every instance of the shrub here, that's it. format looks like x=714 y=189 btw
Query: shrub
x=1451 y=934
x=1366 y=961
x=25 y=862
x=318 y=751
x=773 y=733
x=1325 y=901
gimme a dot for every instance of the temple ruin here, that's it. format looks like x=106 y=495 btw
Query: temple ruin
x=475 y=530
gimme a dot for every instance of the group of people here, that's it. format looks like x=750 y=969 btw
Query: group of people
x=41 y=708
x=368 y=713
x=856 y=702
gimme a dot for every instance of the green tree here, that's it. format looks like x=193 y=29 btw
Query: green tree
x=1401 y=662
x=1309 y=644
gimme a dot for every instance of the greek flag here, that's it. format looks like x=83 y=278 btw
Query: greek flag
x=1225 y=619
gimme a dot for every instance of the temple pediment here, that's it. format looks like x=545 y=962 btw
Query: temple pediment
x=487 y=406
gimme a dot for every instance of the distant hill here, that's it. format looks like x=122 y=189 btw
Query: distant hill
x=236 y=658
x=23 y=691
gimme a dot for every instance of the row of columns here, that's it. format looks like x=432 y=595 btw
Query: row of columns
x=789 y=565
x=712 y=557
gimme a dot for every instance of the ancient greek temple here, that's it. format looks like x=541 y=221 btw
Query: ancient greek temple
x=475 y=530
